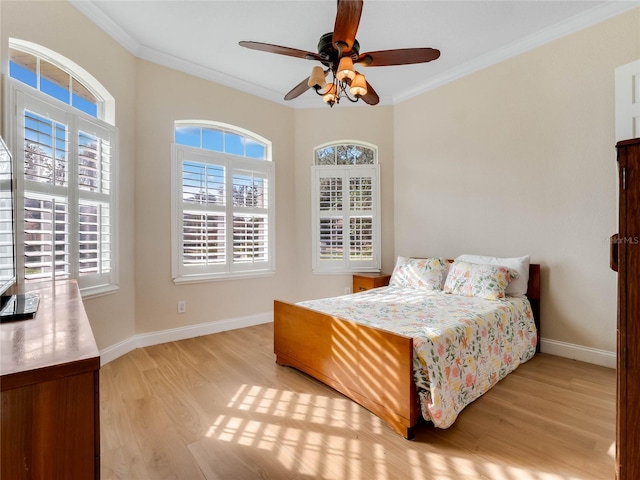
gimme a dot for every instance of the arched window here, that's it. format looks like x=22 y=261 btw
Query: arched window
x=345 y=203
x=223 y=197
x=60 y=78
x=61 y=132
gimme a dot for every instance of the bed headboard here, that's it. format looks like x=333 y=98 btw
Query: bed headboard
x=533 y=294
x=533 y=288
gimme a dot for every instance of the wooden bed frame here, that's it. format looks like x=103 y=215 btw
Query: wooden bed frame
x=372 y=367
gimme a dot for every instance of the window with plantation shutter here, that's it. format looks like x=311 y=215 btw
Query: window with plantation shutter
x=68 y=200
x=345 y=202
x=223 y=191
x=65 y=157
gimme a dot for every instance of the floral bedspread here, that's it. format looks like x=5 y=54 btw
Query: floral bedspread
x=462 y=345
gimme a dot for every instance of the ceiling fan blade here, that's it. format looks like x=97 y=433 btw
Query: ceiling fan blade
x=371 y=97
x=401 y=56
x=291 y=52
x=298 y=90
x=346 y=26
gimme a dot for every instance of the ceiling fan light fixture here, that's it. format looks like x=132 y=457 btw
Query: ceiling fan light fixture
x=330 y=94
x=317 y=78
x=345 y=69
x=358 y=86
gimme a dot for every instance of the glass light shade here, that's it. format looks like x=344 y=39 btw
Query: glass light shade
x=316 y=79
x=345 y=69
x=358 y=86
x=330 y=94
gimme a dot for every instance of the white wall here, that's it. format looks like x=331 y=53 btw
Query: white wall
x=163 y=96
x=60 y=27
x=518 y=159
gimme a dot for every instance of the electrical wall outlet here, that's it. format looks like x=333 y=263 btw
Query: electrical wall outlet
x=182 y=306
x=347 y=291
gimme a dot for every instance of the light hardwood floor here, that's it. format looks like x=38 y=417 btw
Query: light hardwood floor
x=219 y=407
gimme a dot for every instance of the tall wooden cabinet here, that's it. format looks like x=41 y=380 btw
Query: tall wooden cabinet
x=626 y=253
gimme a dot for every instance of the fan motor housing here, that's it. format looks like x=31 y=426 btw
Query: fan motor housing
x=328 y=51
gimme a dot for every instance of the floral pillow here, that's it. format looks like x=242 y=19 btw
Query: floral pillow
x=475 y=280
x=422 y=273
x=518 y=287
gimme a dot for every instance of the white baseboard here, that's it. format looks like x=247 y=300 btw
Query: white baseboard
x=596 y=356
x=163 y=336
x=553 y=347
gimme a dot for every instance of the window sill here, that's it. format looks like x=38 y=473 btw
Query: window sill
x=186 y=279
x=98 y=291
x=346 y=271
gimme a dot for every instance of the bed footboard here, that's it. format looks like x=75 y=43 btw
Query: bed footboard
x=370 y=366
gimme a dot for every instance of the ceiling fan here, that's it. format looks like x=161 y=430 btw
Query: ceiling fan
x=338 y=51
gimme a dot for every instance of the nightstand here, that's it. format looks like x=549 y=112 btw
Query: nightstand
x=367 y=281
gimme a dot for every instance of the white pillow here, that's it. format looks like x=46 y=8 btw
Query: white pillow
x=518 y=286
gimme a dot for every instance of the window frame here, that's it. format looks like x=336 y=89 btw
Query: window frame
x=21 y=98
x=345 y=172
x=231 y=163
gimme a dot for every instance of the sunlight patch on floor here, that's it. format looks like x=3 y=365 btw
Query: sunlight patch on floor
x=287 y=424
x=297 y=406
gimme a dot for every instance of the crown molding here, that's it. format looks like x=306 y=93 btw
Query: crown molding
x=97 y=16
x=207 y=73
x=579 y=22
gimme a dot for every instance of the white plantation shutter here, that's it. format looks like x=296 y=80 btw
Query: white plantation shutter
x=222 y=215
x=250 y=239
x=204 y=239
x=45 y=147
x=95 y=234
x=42 y=157
x=203 y=213
x=330 y=216
x=250 y=219
x=201 y=200
x=46 y=237
x=94 y=239
x=361 y=210
x=345 y=224
x=65 y=162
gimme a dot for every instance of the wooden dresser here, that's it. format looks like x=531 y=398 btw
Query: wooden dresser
x=49 y=386
x=625 y=259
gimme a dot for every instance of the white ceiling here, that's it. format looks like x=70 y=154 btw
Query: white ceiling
x=201 y=37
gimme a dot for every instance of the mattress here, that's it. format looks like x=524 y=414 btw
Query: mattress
x=462 y=346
